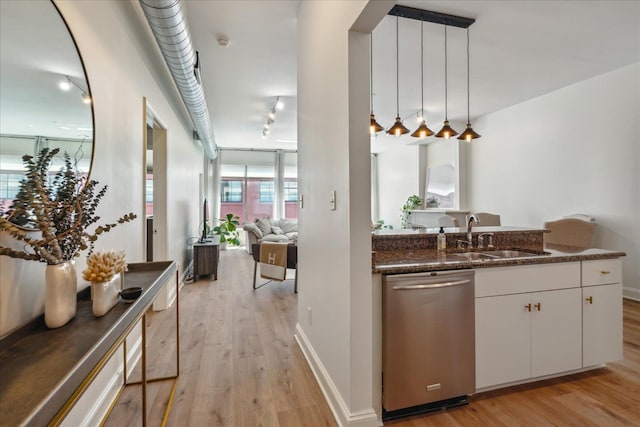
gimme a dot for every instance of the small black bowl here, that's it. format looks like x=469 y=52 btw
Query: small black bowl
x=131 y=294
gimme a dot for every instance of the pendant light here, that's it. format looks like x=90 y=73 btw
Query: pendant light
x=446 y=130
x=398 y=128
x=374 y=126
x=422 y=131
x=469 y=134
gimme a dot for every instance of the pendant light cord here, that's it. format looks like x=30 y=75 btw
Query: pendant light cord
x=468 y=91
x=422 y=65
x=446 y=84
x=397 y=72
x=371 y=70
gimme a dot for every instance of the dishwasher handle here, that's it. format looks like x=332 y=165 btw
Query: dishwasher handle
x=431 y=285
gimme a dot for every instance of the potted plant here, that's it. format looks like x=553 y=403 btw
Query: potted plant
x=63 y=210
x=228 y=230
x=413 y=202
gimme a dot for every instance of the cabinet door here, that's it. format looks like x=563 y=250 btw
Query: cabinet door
x=556 y=339
x=601 y=324
x=503 y=348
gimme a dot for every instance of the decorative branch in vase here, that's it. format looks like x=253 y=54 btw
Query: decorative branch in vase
x=62 y=210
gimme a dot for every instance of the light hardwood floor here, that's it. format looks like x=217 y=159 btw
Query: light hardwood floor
x=241 y=366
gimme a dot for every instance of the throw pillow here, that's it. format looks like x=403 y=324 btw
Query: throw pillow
x=254 y=229
x=276 y=230
x=264 y=224
x=288 y=225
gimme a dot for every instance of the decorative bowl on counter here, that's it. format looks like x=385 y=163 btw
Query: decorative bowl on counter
x=130 y=294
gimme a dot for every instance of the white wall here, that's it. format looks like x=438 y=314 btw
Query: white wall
x=397 y=180
x=123 y=66
x=335 y=293
x=575 y=150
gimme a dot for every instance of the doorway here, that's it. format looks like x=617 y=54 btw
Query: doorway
x=155 y=185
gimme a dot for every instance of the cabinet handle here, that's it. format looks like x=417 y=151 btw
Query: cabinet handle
x=538 y=306
x=605 y=272
x=589 y=300
x=528 y=307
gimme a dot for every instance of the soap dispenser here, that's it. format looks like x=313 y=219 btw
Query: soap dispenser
x=442 y=240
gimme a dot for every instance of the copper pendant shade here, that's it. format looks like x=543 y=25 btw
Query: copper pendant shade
x=446 y=132
x=398 y=128
x=374 y=126
x=469 y=134
x=422 y=131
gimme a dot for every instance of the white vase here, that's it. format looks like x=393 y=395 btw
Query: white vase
x=60 y=299
x=104 y=295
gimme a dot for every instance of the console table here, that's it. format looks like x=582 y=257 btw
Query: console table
x=205 y=257
x=44 y=372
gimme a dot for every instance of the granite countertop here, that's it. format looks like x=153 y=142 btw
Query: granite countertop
x=421 y=260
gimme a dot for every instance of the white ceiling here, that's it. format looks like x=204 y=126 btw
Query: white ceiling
x=519 y=50
x=242 y=80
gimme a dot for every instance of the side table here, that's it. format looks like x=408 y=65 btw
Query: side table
x=205 y=257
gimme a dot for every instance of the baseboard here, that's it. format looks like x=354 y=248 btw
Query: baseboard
x=185 y=274
x=631 y=293
x=344 y=418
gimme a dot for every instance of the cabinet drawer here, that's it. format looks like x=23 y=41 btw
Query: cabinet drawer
x=526 y=278
x=601 y=272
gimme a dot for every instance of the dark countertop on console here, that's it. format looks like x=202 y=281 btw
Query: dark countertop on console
x=40 y=368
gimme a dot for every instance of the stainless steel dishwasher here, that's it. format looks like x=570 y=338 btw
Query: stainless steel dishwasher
x=428 y=357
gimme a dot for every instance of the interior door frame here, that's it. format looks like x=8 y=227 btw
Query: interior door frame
x=159 y=136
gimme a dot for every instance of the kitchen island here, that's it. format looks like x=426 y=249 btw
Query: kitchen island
x=540 y=312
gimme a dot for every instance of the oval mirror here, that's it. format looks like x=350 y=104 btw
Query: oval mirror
x=45 y=98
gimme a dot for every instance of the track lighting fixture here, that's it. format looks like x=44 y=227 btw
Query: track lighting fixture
x=271 y=116
x=398 y=128
x=69 y=82
x=469 y=134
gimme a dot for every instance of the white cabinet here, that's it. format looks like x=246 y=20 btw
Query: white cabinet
x=601 y=311
x=556 y=322
x=602 y=324
x=534 y=321
x=528 y=335
x=503 y=342
x=601 y=272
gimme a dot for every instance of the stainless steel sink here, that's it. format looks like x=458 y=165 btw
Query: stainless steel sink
x=509 y=254
x=475 y=256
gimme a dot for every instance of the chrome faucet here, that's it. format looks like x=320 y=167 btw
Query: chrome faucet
x=470 y=221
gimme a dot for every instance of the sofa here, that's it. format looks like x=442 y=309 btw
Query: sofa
x=270 y=230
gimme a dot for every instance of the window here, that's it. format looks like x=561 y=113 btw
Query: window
x=266 y=191
x=441 y=186
x=9 y=185
x=290 y=191
x=231 y=191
